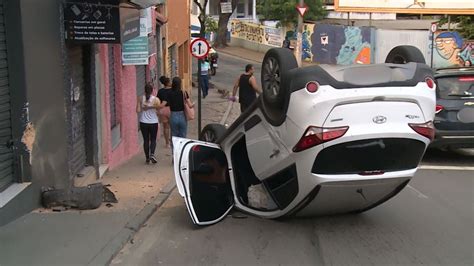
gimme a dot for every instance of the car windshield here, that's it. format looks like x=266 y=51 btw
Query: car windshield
x=456 y=87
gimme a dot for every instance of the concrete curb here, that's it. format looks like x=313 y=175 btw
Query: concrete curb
x=131 y=228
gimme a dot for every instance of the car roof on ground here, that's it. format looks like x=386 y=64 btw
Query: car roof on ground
x=358 y=76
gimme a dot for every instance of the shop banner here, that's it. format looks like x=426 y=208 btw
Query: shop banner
x=257 y=33
x=146 y=26
x=135 y=51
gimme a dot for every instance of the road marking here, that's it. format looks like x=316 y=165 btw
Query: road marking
x=420 y=195
x=446 y=167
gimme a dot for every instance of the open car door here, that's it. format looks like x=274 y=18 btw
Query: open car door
x=202 y=177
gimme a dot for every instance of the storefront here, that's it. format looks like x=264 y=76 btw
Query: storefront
x=67 y=103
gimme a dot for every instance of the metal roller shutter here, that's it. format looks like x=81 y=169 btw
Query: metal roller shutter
x=78 y=110
x=6 y=151
x=141 y=79
x=113 y=109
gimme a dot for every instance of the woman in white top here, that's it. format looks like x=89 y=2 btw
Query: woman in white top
x=147 y=105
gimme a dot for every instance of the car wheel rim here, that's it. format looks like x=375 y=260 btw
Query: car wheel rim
x=271 y=77
x=399 y=60
x=209 y=136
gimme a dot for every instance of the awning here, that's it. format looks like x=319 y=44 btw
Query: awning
x=146 y=3
x=160 y=19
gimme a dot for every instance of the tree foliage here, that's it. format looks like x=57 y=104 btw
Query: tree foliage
x=211 y=24
x=285 y=12
x=465 y=25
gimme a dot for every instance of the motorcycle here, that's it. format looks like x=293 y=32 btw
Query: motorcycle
x=213 y=61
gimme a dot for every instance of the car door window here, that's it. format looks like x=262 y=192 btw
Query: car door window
x=211 y=192
x=455 y=87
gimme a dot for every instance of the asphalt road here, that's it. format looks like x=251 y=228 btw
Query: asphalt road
x=430 y=222
x=229 y=69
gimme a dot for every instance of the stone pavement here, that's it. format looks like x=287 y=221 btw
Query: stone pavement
x=93 y=237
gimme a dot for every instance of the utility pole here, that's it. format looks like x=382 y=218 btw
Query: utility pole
x=299 y=37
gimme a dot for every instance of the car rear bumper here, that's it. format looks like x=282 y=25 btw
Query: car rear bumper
x=351 y=196
x=456 y=139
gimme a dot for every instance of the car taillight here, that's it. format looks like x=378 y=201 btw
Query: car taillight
x=426 y=129
x=317 y=135
x=439 y=108
x=312 y=86
x=430 y=82
x=466 y=79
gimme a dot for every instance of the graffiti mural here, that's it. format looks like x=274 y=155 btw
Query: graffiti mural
x=451 y=50
x=307 y=55
x=256 y=33
x=342 y=45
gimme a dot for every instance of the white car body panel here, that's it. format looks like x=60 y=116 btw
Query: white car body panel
x=270 y=148
x=182 y=149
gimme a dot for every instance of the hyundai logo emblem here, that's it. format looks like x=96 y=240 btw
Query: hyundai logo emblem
x=380 y=119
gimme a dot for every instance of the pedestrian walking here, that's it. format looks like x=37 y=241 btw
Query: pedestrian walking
x=164 y=113
x=204 y=82
x=286 y=43
x=177 y=98
x=248 y=88
x=147 y=106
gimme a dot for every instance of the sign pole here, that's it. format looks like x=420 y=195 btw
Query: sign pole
x=433 y=29
x=199 y=96
x=299 y=36
x=432 y=48
x=199 y=49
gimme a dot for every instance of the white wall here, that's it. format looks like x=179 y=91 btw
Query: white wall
x=357 y=15
x=385 y=40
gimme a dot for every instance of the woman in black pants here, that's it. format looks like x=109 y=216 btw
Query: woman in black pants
x=146 y=106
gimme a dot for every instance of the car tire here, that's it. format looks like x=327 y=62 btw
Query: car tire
x=405 y=54
x=275 y=67
x=212 y=132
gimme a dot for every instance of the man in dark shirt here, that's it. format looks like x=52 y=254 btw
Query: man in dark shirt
x=248 y=87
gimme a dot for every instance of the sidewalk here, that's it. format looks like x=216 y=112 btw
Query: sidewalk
x=93 y=237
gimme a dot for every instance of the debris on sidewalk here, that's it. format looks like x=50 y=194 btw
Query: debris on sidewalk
x=59 y=209
x=108 y=196
x=82 y=198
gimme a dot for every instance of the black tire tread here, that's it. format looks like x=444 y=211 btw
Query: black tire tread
x=407 y=52
x=218 y=129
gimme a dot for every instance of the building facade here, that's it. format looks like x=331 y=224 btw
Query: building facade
x=68 y=108
x=245 y=9
x=177 y=41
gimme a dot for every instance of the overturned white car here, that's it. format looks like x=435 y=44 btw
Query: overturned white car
x=320 y=140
